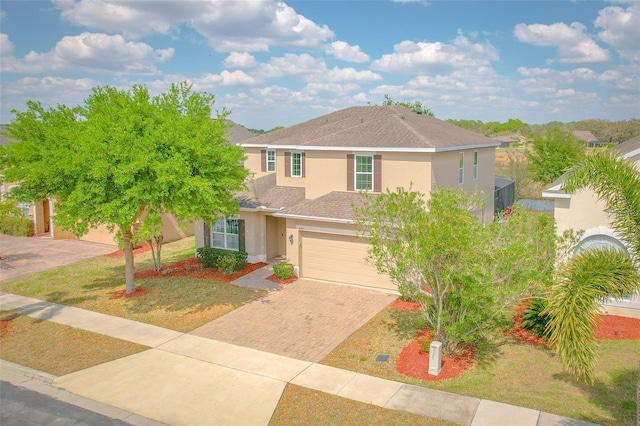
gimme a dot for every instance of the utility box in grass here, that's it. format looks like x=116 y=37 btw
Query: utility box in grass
x=435 y=358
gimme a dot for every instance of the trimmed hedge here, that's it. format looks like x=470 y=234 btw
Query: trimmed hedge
x=283 y=270
x=211 y=258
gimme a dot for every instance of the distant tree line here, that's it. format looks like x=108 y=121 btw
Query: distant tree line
x=605 y=131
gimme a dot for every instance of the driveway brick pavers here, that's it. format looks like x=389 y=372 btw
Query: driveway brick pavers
x=305 y=320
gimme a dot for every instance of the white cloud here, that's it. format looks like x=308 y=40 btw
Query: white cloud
x=574 y=45
x=240 y=60
x=621 y=29
x=6 y=46
x=345 y=52
x=330 y=88
x=422 y=57
x=228 y=26
x=93 y=53
x=290 y=64
x=350 y=74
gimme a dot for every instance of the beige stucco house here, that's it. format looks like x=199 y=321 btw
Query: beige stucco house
x=308 y=176
x=584 y=211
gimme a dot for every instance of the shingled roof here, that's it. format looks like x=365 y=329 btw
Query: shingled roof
x=375 y=127
x=334 y=205
x=237 y=133
x=264 y=192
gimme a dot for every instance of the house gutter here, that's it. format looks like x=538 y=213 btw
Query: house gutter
x=261 y=209
x=315 y=218
x=370 y=148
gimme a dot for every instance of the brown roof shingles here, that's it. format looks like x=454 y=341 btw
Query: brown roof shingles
x=334 y=205
x=264 y=192
x=374 y=127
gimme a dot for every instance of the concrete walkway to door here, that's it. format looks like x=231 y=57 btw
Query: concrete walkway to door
x=304 y=320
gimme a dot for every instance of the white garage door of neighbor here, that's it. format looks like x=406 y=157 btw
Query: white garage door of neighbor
x=339 y=258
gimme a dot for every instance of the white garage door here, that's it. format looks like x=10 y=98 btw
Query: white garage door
x=339 y=258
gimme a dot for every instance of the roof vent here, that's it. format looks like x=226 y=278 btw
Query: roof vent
x=402 y=117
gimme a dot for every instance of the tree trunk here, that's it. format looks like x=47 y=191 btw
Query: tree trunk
x=128 y=261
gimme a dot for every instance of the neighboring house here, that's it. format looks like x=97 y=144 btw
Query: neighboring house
x=42 y=212
x=507 y=141
x=307 y=178
x=588 y=138
x=584 y=211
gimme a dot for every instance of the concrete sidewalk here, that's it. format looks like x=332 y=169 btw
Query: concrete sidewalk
x=187 y=379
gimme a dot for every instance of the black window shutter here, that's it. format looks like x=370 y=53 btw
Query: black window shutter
x=377 y=173
x=241 y=244
x=303 y=164
x=263 y=160
x=207 y=236
x=287 y=164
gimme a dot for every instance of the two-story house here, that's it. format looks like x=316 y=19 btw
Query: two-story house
x=585 y=211
x=307 y=178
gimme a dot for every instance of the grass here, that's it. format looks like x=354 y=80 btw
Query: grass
x=177 y=303
x=306 y=407
x=57 y=349
x=513 y=373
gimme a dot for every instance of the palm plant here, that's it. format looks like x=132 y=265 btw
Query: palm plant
x=591 y=277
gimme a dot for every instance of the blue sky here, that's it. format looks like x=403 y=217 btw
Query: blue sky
x=279 y=63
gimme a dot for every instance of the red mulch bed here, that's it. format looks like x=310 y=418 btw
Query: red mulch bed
x=404 y=305
x=120 y=253
x=122 y=294
x=415 y=363
x=190 y=267
x=277 y=280
x=520 y=333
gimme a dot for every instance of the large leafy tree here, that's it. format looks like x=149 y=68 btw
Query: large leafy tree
x=553 y=153
x=591 y=277
x=461 y=271
x=123 y=158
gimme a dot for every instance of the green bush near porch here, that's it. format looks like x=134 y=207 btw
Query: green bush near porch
x=211 y=257
x=283 y=270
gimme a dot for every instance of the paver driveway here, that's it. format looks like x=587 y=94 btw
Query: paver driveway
x=305 y=320
x=22 y=255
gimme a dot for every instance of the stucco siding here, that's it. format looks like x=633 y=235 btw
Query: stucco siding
x=580 y=212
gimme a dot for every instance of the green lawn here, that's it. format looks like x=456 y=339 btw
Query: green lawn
x=515 y=373
x=178 y=303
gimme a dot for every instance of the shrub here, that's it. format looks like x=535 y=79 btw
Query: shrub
x=227 y=264
x=211 y=257
x=12 y=222
x=534 y=319
x=283 y=270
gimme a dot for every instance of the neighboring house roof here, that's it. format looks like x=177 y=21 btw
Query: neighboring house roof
x=237 y=133
x=379 y=128
x=263 y=192
x=629 y=149
x=335 y=205
x=585 y=135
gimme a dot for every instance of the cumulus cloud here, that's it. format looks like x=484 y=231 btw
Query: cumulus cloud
x=228 y=26
x=93 y=53
x=290 y=64
x=573 y=44
x=345 y=52
x=351 y=74
x=240 y=60
x=621 y=29
x=425 y=57
x=6 y=46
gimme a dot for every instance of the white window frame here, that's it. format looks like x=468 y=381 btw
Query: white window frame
x=271 y=163
x=293 y=156
x=476 y=160
x=226 y=235
x=356 y=172
x=461 y=168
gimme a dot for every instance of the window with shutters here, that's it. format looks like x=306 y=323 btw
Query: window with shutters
x=363 y=172
x=271 y=160
x=296 y=164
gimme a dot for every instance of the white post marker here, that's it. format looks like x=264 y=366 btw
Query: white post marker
x=435 y=358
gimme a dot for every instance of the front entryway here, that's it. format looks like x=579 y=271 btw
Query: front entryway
x=305 y=320
x=276 y=237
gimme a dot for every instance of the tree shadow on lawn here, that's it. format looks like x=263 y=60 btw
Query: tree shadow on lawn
x=617 y=398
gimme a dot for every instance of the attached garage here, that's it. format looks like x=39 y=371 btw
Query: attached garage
x=339 y=258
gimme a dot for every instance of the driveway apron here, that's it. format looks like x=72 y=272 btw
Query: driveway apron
x=305 y=320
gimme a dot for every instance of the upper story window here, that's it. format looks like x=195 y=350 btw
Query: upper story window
x=475 y=165
x=364 y=173
x=296 y=164
x=271 y=160
x=461 y=169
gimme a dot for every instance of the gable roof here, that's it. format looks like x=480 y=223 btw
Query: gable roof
x=237 y=133
x=379 y=128
x=585 y=135
x=628 y=149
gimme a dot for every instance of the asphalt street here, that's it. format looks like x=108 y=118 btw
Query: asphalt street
x=21 y=407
